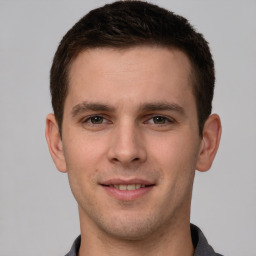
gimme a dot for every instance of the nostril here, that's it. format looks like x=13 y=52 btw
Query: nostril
x=133 y=160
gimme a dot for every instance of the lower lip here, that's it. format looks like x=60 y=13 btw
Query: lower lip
x=127 y=195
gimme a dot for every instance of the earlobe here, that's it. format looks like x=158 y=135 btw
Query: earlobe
x=210 y=142
x=55 y=143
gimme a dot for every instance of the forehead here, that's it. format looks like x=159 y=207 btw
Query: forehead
x=138 y=73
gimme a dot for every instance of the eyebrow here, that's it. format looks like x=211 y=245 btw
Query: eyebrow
x=86 y=106
x=162 y=106
x=145 y=107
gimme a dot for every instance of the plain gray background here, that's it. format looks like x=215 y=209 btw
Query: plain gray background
x=38 y=215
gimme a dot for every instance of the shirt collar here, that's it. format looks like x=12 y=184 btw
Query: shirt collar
x=202 y=248
x=201 y=245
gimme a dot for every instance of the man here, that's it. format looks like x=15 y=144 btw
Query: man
x=132 y=86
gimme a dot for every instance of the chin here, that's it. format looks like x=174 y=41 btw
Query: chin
x=130 y=228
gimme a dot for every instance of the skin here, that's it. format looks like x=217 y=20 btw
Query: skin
x=143 y=124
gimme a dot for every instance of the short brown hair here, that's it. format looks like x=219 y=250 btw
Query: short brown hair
x=124 y=24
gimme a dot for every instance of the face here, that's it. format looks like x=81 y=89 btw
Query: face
x=130 y=139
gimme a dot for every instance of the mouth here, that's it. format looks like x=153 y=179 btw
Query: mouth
x=129 y=187
x=127 y=190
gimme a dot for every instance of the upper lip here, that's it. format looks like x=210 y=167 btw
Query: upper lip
x=126 y=182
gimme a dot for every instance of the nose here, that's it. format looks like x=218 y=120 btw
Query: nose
x=127 y=146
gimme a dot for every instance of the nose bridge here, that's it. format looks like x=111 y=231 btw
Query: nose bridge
x=127 y=143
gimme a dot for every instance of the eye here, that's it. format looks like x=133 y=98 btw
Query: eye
x=160 y=120
x=94 y=120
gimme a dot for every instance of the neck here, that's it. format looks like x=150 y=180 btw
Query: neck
x=175 y=241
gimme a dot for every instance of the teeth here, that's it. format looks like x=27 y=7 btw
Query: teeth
x=122 y=187
x=138 y=186
x=128 y=187
x=131 y=187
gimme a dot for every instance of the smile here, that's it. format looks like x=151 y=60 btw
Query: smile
x=125 y=190
x=128 y=187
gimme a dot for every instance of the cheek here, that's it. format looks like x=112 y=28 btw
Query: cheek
x=173 y=150
x=81 y=172
x=175 y=160
x=83 y=152
x=83 y=159
x=175 y=157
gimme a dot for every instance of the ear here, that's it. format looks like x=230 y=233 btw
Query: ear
x=210 y=143
x=55 y=143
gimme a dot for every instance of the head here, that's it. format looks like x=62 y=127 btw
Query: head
x=132 y=86
x=126 y=24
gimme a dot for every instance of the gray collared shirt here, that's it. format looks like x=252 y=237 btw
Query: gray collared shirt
x=202 y=248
